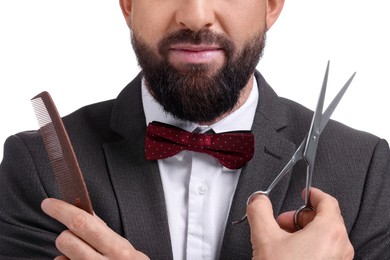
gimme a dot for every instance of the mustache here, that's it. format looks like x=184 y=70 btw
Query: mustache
x=204 y=36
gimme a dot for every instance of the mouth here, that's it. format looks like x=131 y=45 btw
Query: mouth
x=195 y=54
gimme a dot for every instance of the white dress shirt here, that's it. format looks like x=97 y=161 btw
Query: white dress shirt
x=198 y=190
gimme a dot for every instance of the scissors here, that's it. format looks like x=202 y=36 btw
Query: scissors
x=308 y=148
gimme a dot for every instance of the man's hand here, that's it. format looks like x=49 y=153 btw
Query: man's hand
x=323 y=236
x=88 y=236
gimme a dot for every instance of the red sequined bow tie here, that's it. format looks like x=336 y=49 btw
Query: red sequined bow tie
x=232 y=149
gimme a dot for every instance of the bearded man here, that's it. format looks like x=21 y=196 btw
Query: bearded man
x=198 y=62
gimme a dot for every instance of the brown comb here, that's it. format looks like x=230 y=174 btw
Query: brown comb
x=62 y=158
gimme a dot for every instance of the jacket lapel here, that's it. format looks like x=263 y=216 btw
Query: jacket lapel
x=137 y=182
x=272 y=151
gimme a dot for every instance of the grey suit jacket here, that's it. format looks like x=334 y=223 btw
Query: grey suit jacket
x=127 y=193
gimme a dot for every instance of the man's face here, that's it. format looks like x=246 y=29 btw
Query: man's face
x=197 y=55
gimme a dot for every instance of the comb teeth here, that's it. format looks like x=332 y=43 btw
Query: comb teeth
x=60 y=152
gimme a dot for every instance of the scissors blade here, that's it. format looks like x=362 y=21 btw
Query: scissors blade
x=332 y=106
x=314 y=132
x=318 y=124
x=320 y=120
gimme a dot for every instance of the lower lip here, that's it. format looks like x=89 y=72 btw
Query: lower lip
x=203 y=56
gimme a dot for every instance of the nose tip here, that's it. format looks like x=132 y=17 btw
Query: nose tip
x=195 y=15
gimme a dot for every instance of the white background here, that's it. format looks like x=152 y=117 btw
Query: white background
x=79 y=51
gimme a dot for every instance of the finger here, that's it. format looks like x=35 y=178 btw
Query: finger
x=74 y=248
x=286 y=221
x=323 y=203
x=329 y=222
x=317 y=199
x=89 y=228
x=261 y=219
x=327 y=210
x=101 y=220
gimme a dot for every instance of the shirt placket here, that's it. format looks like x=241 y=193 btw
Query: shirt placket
x=198 y=244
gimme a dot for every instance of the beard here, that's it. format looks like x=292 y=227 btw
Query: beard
x=196 y=92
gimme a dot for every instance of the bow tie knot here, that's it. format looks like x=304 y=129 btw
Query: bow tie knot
x=232 y=149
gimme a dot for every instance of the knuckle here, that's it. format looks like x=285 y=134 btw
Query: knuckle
x=126 y=254
x=335 y=204
x=124 y=250
x=97 y=235
x=351 y=252
x=338 y=233
x=78 y=222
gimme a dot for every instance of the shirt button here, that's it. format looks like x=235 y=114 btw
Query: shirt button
x=202 y=189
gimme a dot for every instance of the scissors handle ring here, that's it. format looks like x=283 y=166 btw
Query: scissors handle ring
x=298 y=213
x=254 y=194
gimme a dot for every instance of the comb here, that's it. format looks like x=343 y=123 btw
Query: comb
x=62 y=158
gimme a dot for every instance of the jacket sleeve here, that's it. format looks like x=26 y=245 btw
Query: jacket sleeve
x=25 y=231
x=371 y=231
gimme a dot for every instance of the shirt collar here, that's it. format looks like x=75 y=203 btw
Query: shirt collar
x=240 y=119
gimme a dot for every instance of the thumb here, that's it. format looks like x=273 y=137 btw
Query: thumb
x=261 y=220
